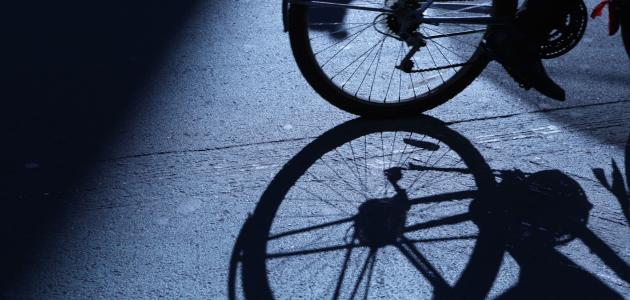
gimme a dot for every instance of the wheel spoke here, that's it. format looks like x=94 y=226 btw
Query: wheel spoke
x=365 y=269
x=415 y=167
x=312 y=251
x=354 y=36
x=342 y=274
x=446 y=197
x=310 y=228
x=451 y=220
x=364 y=25
x=444 y=239
x=424 y=266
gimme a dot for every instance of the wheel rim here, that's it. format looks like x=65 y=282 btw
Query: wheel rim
x=357 y=51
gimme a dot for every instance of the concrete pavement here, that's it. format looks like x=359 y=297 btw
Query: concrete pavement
x=159 y=209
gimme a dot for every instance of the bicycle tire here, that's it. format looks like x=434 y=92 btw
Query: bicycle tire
x=415 y=104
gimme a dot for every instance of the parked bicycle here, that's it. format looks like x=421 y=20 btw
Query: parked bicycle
x=397 y=57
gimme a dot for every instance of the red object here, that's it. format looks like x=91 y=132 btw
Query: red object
x=613 y=10
x=599 y=9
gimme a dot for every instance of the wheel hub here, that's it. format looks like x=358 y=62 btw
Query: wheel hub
x=380 y=221
x=402 y=16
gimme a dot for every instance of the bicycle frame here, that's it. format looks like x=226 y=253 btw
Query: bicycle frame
x=481 y=9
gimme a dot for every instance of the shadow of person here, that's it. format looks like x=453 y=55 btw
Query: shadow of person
x=539 y=212
x=329 y=19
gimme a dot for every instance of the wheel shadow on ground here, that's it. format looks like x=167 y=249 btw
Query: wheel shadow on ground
x=372 y=204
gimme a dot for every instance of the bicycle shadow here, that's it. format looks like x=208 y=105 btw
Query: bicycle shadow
x=527 y=215
x=548 y=209
x=545 y=210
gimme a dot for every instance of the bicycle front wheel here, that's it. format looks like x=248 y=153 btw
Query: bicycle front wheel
x=352 y=52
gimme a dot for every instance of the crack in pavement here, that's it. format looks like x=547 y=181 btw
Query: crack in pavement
x=536 y=112
x=169 y=152
x=507 y=116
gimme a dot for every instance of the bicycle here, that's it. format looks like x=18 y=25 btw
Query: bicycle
x=403 y=57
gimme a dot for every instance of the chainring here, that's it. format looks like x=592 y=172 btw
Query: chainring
x=567 y=35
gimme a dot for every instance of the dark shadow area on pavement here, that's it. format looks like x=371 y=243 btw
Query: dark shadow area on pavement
x=527 y=215
x=69 y=72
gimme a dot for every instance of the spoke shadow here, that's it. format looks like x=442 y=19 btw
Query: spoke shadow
x=526 y=215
